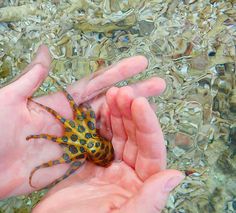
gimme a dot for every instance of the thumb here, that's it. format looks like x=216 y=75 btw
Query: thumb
x=33 y=75
x=154 y=193
x=27 y=84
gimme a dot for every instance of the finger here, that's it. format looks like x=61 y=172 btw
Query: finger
x=104 y=125
x=115 y=73
x=42 y=57
x=99 y=83
x=154 y=193
x=119 y=136
x=33 y=75
x=124 y=100
x=151 y=87
x=151 y=156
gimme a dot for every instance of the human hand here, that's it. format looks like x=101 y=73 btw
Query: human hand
x=19 y=119
x=137 y=181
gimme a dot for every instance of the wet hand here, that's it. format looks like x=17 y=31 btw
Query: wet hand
x=19 y=118
x=137 y=181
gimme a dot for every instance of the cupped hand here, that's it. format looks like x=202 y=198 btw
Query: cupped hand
x=137 y=181
x=138 y=173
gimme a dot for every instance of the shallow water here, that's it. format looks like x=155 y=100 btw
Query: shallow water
x=191 y=44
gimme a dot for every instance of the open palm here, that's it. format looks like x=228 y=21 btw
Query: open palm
x=123 y=116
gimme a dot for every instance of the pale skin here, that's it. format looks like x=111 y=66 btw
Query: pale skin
x=137 y=181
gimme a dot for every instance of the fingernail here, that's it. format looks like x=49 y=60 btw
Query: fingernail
x=173 y=182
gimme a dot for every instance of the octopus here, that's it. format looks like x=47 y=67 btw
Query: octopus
x=81 y=140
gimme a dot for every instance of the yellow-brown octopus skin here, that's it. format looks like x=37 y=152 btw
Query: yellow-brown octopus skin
x=81 y=140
